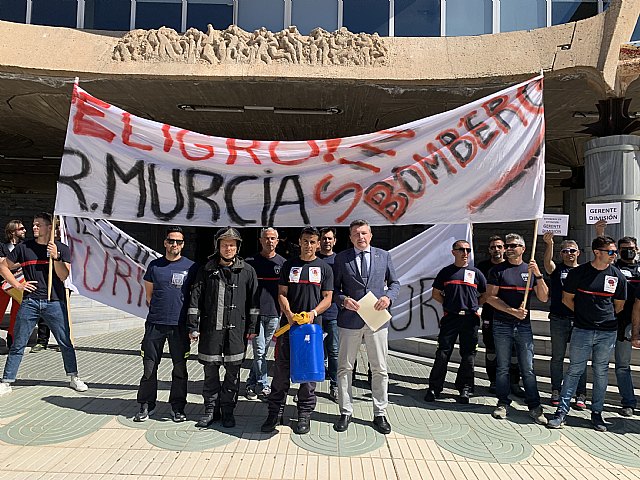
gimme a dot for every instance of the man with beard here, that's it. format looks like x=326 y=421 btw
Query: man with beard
x=596 y=291
x=496 y=257
x=33 y=256
x=560 y=317
x=223 y=314
x=460 y=289
x=506 y=288
x=15 y=233
x=306 y=285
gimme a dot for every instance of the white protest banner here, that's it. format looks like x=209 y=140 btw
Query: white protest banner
x=603 y=211
x=107 y=265
x=417 y=262
x=482 y=162
x=556 y=224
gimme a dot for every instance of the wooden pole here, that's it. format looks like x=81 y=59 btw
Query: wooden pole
x=52 y=238
x=533 y=254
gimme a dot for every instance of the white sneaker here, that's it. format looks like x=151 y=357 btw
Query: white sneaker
x=5 y=389
x=78 y=385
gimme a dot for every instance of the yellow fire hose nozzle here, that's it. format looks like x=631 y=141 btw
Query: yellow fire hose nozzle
x=299 y=318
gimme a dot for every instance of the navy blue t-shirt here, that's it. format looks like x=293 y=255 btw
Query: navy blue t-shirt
x=632 y=273
x=512 y=282
x=268 y=271
x=461 y=287
x=330 y=313
x=594 y=292
x=171 y=284
x=558 y=277
x=33 y=258
x=487 y=310
x=305 y=282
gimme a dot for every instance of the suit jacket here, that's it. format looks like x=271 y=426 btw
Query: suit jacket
x=349 y=283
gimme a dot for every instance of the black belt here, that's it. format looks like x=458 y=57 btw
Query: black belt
x=463 y=312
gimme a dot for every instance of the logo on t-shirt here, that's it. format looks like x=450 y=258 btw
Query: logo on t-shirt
x=610 y=284
x=626 y=272
x=469 y=276
x=525 y=276
x=276 y=269
x=563 y=275
x=315 y=274
x=177 y=278
x=294 y=274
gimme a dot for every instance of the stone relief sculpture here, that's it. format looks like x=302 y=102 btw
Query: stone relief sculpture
x=234 y=45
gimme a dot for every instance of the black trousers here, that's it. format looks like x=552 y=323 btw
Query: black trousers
x=153 y=342
x=490 y=355
x=224 y=393
x=453 y=326
x=280 y=383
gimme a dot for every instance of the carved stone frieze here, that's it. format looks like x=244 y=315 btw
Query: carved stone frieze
x=235 y=45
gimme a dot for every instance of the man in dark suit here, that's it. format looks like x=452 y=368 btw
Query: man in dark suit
x=357 y=271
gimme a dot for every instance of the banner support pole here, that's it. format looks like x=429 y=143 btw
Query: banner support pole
x=52 y=238
x=533 y=254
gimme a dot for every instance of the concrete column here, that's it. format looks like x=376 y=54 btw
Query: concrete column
x=612 y=174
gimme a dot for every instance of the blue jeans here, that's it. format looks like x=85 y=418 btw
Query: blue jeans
x=331 y=345
x=505 y=335
x=623 y=371
x=54 y=314
x=258 y=378
x=584 y=343
x=560 y=329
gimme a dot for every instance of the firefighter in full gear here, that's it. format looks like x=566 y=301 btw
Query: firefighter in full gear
x=223 y=314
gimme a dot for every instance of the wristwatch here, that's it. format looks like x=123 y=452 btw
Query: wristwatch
x=538 y=277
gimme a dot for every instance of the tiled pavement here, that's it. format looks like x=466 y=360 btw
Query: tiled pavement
x=49 y=431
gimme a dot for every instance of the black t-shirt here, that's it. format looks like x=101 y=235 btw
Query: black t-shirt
x=5 y=250
x=33 y=258
x=594 y=292
x=171 y=284
x=487 y=310
x=558 y=277
x=330 y=313
x=632 y=273
x=461 y=287
x=268 y=271
x=512 y=282
x=305 y=281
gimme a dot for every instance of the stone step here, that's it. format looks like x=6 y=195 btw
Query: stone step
x=425 y=348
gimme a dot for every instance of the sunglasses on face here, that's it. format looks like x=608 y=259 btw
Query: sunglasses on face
x=569 y=250
x=172 y=241
x=496 y=247
x=611 y=253
x=20 y=229
x=463 y=249
x=512 y=245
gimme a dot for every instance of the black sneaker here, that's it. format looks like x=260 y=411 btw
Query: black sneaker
x=228 y=420
x=464 y=396
x=270 y=423
x=146 y=410
x=430 y=396
x=304 y=425
x=333 y=394
x=598 y=422
x=178 y=416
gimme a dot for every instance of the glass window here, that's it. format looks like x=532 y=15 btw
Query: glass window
x=522 y=15
x=469 y=17
x=368 y=16
x=417 y=18
x=107 y=14
x=159 y=13
x=13 y=10
x=218 y=13
x=309 y=14
x=636 y=32
x=253 y=14
x=56 y=13
x=566 y=11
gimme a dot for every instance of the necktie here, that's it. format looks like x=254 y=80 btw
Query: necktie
x=364 y=269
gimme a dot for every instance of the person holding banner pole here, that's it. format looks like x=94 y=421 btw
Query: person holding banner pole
x=561 y=317
x=460 y=288
x=496 y=257
x=167 y=283
x=32 y=256
x=506 y=290
x=15 y=233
